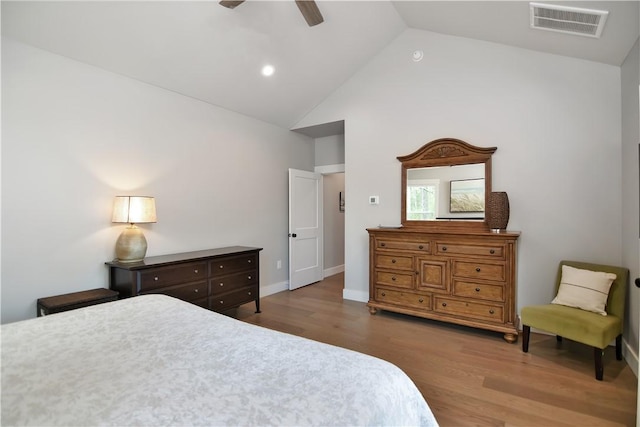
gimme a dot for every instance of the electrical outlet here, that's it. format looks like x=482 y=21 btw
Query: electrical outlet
x=279 y=264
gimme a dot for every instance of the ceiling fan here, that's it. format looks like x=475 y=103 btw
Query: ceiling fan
x=308 y=8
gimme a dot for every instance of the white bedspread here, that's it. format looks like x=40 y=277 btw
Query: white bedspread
x=154 y=360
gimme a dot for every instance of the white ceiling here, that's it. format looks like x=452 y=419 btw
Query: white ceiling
x=214 y=54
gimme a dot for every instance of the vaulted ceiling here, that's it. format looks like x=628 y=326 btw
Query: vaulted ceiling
x=203 y=50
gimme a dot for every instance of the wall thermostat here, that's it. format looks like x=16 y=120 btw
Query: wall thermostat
x=374 y=200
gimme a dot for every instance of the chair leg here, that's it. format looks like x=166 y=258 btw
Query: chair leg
x=526 y=331
x=597 y=357
x=619 y=347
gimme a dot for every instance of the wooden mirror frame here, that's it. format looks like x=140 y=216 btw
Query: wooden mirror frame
x=447 y=152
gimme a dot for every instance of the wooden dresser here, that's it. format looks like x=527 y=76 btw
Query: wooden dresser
x=217 y=279
x=467 y=278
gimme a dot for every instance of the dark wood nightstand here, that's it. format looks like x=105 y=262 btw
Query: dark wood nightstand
x=66 y=302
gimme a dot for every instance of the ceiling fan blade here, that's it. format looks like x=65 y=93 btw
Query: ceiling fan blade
x=231 y=4
x=310 y=11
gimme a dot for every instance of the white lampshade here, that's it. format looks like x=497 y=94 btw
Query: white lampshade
x=134 y=209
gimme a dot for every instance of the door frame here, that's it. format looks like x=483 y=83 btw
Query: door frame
x=329 y=170
x=322 y=170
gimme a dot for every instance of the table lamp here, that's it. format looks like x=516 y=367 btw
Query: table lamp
x=131 y=246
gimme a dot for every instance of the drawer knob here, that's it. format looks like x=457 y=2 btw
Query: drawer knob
x=221 y=302
x=421 y=247
x=221 y=284
x=478 y=269
x=195 y=271
x=393 y=278
x=249 y=277
x=492 y=252
x=384 y=295
x=383 y=244
x=249 y=261
x=155 y=278
x=195 y=290
x=491 y=311
x=221 y=266
x=477 y=289
x=393 y=261
x=249 y=293
x=420 y=300
x=444 y=248
x=444 y=304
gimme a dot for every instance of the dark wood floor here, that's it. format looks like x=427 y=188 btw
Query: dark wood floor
x=468 y=377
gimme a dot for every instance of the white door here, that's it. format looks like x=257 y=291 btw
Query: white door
x=305 y=228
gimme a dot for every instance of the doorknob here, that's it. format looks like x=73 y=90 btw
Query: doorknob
x=293 y=235
x=638 y=282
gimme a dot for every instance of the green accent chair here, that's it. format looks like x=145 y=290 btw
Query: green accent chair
x=582 y=326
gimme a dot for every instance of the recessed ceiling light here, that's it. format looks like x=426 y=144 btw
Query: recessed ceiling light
x=268 y=70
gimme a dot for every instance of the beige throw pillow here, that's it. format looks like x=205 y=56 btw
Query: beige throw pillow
x=584 y=289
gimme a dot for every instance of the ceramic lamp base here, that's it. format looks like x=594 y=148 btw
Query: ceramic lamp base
x=131 y=246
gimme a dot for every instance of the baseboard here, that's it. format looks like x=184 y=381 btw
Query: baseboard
x=359 y=296
x=630 y=356
x=333 y=270
x=274 y=288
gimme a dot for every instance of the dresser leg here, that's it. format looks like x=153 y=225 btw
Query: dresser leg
x=258 y=305
x=511 y=338
x=373 y=310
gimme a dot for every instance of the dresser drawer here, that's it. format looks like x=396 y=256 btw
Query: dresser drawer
x=479 y=270
x=471 y=310
x=232 y=299
x=223 y=266
x=404 y=245
x=166 y=276
x=398 y=279
x=202 y=302
x=189 y=293
x=394 y=262
x=231 y=282
x=453 y=248
x=402 y=298
x=484 y=291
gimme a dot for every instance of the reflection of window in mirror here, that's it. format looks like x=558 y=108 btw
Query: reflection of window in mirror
x=422 y=203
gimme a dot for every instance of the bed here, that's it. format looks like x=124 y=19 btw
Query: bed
x=155 y=360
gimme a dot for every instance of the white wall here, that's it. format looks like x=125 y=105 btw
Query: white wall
x=329 y=150
x=74 y=136
x=555 y=121
x=631 y=194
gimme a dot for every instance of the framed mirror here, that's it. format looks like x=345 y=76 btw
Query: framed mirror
x=445 y=185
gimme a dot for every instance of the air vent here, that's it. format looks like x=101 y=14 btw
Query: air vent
x=569 y=20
